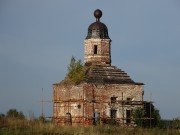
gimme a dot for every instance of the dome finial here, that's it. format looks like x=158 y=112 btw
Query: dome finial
x=98 y=14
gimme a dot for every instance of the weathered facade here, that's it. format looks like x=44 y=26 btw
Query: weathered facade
x=107 y=95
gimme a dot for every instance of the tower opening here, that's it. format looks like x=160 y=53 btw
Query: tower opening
x=95 y=49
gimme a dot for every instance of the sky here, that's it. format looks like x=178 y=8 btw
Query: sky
x=38 y=38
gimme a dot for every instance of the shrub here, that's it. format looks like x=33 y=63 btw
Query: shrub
x=139 y=114
x=146 y=117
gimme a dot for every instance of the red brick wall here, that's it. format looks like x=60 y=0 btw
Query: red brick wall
x=92 y=98
x=103 y=52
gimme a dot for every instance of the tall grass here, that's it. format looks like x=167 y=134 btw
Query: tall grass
x=14 y=126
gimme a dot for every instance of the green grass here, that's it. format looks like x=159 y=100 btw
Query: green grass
x=28 y=127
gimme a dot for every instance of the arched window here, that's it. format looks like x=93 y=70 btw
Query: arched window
x=68 y=120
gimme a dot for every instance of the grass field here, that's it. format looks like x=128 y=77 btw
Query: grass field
x=16 y=126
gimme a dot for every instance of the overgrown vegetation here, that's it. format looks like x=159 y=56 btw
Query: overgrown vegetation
x=12 y=124
x=76 y=72
x=176 y=123
x=139 y=115
x=35 y=127
x=146 y=117
x=13 y=113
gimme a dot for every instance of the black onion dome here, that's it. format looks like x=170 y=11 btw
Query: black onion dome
x=97 y=29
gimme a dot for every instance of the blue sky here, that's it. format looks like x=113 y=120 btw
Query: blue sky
x=38 y=38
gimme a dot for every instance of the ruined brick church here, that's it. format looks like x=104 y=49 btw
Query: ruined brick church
x=107 y=95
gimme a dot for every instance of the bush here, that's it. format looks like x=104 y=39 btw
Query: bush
x=139 y=114
x=144 y=117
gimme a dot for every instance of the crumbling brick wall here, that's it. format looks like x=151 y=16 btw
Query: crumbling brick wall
x=84 y=100
x=102 y=56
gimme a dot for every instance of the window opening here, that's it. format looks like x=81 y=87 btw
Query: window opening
x=129 y=100
x=128 y=116
x=68 y=119
x=113 y=113
x=113 y=116
x=113 y=99
x=79 y=106
x=96 y=118
x=95 y=49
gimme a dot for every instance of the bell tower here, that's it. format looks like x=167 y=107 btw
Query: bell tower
x=97 y=43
